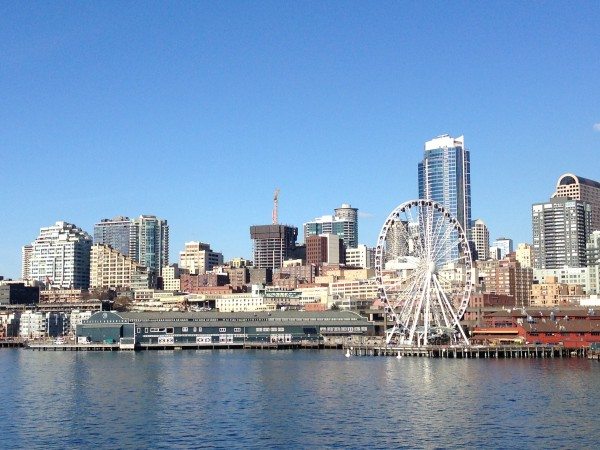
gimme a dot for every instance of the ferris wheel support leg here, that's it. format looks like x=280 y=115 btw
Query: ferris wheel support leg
x=454 y=317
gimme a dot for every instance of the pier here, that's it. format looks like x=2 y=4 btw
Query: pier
x=464 y=352
x=305 y=345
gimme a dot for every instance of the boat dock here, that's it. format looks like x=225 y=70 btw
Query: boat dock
x=475 y=351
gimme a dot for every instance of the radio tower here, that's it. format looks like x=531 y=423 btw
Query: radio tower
x=275 y=206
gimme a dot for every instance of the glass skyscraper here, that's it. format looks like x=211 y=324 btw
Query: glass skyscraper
x=445 y=177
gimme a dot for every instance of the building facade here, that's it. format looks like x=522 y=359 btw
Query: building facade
x=445 y=176
x=151 y=242
x=110 y=268
x=26 y=252
x=506 y=277
x=272 y=244
x=343 y=223
x=579 y=188
x=524 y=255
x=505 y=245
x=60 y=256
x=480 y=236
x=361 y=256
x=197 y=257
x=118 y=232
x=560 y=231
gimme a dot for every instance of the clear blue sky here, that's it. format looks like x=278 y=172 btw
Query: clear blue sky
x=197 y=111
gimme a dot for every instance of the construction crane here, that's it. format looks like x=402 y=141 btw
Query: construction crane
x=275 y=206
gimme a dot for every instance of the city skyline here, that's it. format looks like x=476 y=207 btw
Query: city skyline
x=198 y=118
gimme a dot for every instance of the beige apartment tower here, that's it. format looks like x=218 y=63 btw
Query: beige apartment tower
x=579 y=188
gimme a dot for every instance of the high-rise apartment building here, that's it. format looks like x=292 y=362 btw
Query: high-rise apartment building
x=110 y=268
x=272 y=244
x=480 y=236
x=60 y=256
x=118 y=232
x=445 y=176
x=343 y=223
x=506 y=276
x=505 y=245
x=579 y=188
x=151 y=242
x=524 y=255
x=560 y=231
x=26 y=252
x=197 y=258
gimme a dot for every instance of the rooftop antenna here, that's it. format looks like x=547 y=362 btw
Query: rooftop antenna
x=275 y=206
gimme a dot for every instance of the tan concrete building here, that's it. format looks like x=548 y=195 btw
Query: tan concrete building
x=551 y=293
x=524 y=255
x=579 y=188
x=507 y=277
x=111 y=269
x=481 y=238
x=197 y=258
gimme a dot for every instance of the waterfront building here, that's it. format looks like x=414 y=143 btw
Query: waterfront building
x=38 y=325
x=361 y=256
x=157 y=329
x=505 y=245
x=560 y=231
x=579 y=188
x=118 y=232
x=343 y=223
x=26 y=252
x=480 y=237
x=272 y=244
x=60 y=256
x=111 y=269
x=9 y=324
x=524 y=255
x=77 y=317
x=151 y=242
x=197 y=257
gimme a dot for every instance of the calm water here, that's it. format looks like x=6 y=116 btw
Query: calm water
x=293 y=399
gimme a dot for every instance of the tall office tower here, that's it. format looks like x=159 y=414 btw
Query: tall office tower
x=505 y=245
x=26 y=252
x=445 y=176
x=151 y=242
x=579 y=188
x=344 y=223
x=197 y=257
x=560 y=231
x=524 y=255
x=480 y=236
x=272 y=244
x=118 y=232
x=60 y=256
x=110 y=268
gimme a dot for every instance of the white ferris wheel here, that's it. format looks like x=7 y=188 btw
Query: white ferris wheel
x=423 y=270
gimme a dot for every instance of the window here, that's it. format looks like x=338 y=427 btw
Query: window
x=237 y=330
x=184 y=329
x=222 y=330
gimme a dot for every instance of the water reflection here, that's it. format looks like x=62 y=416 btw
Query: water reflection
x=285 y=399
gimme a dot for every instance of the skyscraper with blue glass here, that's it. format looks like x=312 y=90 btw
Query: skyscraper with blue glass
x=445 y=176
